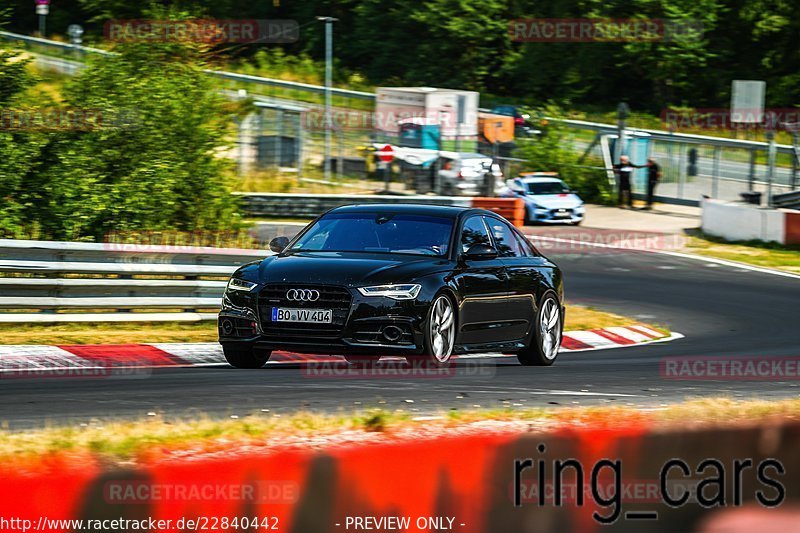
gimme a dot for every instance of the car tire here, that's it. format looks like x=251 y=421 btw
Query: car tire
x=578 y=223
x=246 y=357
x=440 y=332
x=547 y=332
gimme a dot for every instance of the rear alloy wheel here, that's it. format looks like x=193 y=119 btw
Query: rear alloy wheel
x=546 y=340
x=440 y=333
x=245 y=356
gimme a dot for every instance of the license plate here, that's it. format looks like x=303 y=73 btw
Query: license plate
x=312 y=316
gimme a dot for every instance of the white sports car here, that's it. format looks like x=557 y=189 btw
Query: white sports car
x=547 y=199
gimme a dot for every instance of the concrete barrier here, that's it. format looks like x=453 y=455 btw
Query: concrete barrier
x=278 y=205
x=738 y=221
x=284 y=205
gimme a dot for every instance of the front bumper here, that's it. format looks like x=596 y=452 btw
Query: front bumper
x=364 y=325
x=556 y=216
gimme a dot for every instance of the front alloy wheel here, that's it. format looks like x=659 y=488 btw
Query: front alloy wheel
x=440 y=333
x=546 y=340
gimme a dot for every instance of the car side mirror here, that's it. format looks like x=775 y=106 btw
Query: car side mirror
x=278 y=244
x=478 y=252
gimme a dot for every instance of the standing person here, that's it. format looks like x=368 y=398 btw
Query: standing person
x=625 y=169
x=653 y=175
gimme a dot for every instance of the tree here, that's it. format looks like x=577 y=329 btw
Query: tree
x=151 y=159
x=552 y=152
x=19 y=149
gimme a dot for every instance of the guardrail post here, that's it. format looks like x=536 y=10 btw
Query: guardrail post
x=751 y=178
x=715 y=172
x=681 y=169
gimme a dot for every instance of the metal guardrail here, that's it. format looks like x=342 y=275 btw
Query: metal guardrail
x=318 y=89
x=80 y=279
x=661 y=135
x=787 y=200
x=65 y=47
x=281 y=205
x=72 y=66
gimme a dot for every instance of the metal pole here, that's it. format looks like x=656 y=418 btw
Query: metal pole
x=752 y=176
x=770 y=165
x=42 y=25
x=328 y=82
x=681 y=168
x=715 y=172
x=300 y=141
x=795 y=156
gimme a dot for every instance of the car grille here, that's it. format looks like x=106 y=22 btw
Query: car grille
x=274 y=295
x=561 y=213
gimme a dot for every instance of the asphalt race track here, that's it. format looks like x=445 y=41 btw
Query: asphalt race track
x=722 y=311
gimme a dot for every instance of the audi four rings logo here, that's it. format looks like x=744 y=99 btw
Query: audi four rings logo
x=302 y=295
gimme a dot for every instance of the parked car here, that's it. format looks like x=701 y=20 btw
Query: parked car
x=424 y=282
x=547 y=198
x=466 y=173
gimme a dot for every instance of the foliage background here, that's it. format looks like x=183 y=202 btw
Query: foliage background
x=466 y=44
x=151 y=161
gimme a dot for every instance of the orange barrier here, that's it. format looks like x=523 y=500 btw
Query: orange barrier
x=464 y=484
x=512 y=209
x=791 y=227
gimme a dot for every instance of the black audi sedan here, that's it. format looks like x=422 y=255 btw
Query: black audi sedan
x=424 y=282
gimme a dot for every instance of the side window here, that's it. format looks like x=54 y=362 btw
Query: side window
x=473 y=232
x=526 y=246
x=504 y=238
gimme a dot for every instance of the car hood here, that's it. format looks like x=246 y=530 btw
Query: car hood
x=349 y=269
x=554 y=201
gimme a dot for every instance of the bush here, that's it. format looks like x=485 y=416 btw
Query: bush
x=553 y=152
x=150 y=161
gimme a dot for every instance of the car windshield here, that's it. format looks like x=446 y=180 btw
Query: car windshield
x=547 y=187
x=378 y=233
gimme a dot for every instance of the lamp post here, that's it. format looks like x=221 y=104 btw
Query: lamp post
x=622 y=113
x=328 y=82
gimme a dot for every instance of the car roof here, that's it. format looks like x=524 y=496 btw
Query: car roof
x=541 y=179
x=538 y=174
x=449 y=211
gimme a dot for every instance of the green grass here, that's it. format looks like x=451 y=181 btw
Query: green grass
x=108 y=333
x=758 y=253
x=263 y=431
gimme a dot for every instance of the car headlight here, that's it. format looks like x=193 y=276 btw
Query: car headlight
x=236 y=284
x=396 y=292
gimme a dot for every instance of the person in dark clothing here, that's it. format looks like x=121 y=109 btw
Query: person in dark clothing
x=653 y=174
x=625 y=171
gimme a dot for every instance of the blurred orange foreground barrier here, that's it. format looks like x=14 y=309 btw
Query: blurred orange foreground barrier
x=463 y=484
x=512 y=209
